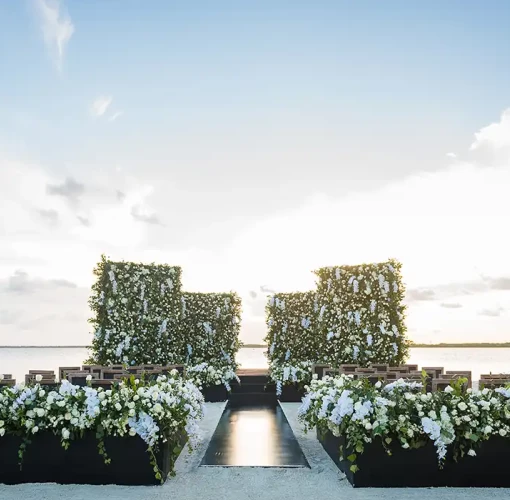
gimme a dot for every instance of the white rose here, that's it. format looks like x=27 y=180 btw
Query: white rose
x=472 y=453
x=502 y=432
x=66 y=434
x=2 y=432
x=487 y=429
x=449 y=389
x=462 y=406
x=38 y=378
x=42 y=393
x=67 y=416
x=132 y=413
x=50 y=400
x=89 y=378
x=132 y=432
x=378 y=384
x=40 y=412
x=118 y=406
x=35 y=429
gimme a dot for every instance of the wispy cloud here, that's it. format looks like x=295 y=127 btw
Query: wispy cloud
x=70 y=189
x=491 y=313
x=100 y=105
x=453 y=156
x=141 y=215
x=115 y=115
x=57 y=27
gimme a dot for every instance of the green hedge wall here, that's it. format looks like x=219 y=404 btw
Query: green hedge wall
x=292 y=328
x=210 y=327
x=355 y=315
x=364 y=314
x=141 y=316
x=136 y=312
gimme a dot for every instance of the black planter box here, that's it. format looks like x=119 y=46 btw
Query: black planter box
x=292 y=393
x=45 y=461
x=419 y=467
x=214 y=393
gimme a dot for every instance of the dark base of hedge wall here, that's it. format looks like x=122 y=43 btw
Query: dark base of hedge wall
x=418 y=467
x=215 y=393
x=45 y=461
x=292 y=393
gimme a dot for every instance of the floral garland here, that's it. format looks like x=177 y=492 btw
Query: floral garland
x=287 y=373
x=401 y=413
x=157 y=411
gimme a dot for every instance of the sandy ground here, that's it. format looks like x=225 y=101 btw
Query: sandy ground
x=322 y=481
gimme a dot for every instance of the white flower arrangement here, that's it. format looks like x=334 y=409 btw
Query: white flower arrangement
x=402 y=414
x=204 y=375
x=158 y=411
x=287 y=373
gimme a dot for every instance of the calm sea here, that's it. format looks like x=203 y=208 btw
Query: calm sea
x=17 y=361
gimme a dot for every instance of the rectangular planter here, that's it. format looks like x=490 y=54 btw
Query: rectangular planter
x=292 y=393
x=214 y=393
x=419 y=467
x=45 y=461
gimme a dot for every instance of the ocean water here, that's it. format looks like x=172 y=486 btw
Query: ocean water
x=17 y=361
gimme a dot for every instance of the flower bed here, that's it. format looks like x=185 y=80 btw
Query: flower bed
x=213 y=382
x=399 y=435
x=129 y=434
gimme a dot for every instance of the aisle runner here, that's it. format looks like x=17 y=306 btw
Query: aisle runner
x=254 y=436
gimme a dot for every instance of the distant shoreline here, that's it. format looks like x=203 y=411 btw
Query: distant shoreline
x=263 y=346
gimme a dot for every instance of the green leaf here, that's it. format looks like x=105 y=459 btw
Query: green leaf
x=352 y=457
x=354 y=468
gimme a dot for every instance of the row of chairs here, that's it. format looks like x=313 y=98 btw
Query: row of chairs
x=437 y=378
x=102 y=376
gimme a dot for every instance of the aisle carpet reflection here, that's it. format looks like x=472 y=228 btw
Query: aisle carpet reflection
x=254 y=436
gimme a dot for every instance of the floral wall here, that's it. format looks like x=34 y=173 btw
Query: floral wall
x=142 y=316
x=210 y=325
x=136 y=311
x=355 y=315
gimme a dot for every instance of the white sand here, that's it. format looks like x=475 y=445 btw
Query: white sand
x=322 y=481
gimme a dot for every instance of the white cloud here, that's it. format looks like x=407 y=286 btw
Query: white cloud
x=451 y=155
x=115 y=115
x=57 y=27
x=496 y=135
x=100 y=105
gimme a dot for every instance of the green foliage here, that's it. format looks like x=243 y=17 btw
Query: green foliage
x=136 y=312
x=355 y=315
x=210 y=326
x=141 y=316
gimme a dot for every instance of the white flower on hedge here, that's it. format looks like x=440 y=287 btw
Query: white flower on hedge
x=330 y=335
x=369 y=339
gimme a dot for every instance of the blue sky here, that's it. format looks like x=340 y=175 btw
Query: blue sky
x=226 y=125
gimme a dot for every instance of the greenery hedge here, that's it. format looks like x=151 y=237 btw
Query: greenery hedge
x=137 y=308
x=355 y=315
x=210 y=326
x=141 y=316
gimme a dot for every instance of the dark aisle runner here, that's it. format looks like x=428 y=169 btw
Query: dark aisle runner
x=254 y=436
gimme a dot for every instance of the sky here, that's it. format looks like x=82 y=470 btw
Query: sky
x=250 y=143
